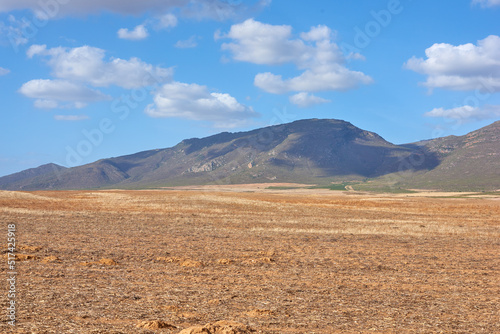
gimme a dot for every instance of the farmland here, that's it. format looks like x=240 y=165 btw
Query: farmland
x=277 y=261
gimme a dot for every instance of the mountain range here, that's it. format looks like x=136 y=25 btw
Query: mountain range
x=315 y=151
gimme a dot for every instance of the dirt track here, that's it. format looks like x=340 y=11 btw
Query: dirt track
x=279 y=262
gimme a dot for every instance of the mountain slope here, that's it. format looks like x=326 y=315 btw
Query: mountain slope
x=25 y=177
x=299 y=151
x=313 y=151
x=469 y=162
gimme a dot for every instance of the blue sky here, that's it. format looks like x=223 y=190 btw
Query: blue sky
x=82 y=80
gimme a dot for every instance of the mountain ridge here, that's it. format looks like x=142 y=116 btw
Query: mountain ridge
x=318 y=151
x=473 y=158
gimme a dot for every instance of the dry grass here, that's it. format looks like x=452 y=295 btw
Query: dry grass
x=277 y=261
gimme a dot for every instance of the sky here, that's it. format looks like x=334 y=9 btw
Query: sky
x=82 y=80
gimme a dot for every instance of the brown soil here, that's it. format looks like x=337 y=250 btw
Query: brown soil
x=252 y=262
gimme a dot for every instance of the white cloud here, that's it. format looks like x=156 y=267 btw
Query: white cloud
x=318 y=33
x=196 y=102
x=305 y=100
x=466 y=112
x=46 y=104
x=36 y=49
x=188 y=43
x=4 y=71
x=261 y=43
x=486 y=3
x=71 y=118
x=48 y=93
x=167 y=21
x=11 y=31
x=78 y=69
x=87 y=65
x=321 y=60
x=336 y=79
x=139 y=32
x=462 y=67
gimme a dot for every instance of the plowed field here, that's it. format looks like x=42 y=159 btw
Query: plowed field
x=274 y=261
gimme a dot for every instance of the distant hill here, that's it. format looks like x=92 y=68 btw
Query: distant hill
x=470 y=162
x=24 y=178
x=318 y=151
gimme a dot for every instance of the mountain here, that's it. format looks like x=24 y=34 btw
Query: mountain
x=24 y=178
x=469 y=162
x=318 y=151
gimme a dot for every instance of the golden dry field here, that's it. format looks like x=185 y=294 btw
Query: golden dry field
x=252 y=260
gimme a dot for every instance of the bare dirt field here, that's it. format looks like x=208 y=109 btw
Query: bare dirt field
x=251 y=261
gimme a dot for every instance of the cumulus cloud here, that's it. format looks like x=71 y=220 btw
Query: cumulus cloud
x=78 y=68
x=465 y=113
x=87 y=64
x=486 y=3
x=462 y=67
x=36 y=49
x=71 y=118
x=315 y=53
x=139 y=32
x=191 y=42
x=196 y=102
x=305 y=100
x=261 y=43
x=337 y=79
x=4 y=71
x=48 y=93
